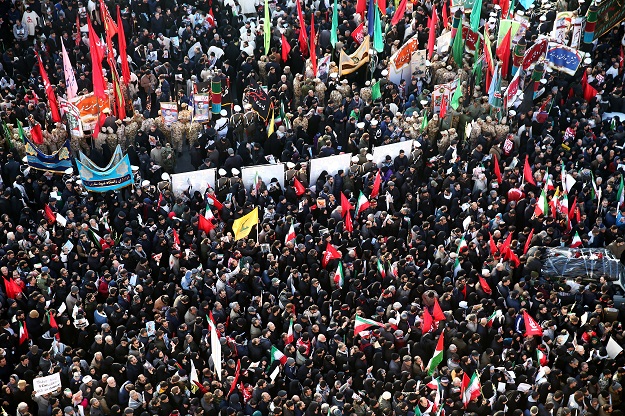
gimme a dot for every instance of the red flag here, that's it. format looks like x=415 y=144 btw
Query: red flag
x=445 y=15
x=361 y=6
x=432 y=33
x=345 y=205
x=11 y=288
x=574 y=210
x=359 y=33
x=330 y=254
x=237 y=373
x=493 y=246
x=514 y=258
x=503 y=52
x=96 y=53
x=528 y=241
x=497 y=170
x=109 y=24
x=505 y=8
x=504 y=249
x=99 y=124
x=527 y=172
x=399 y=13
x=485 y=287
x=212 y=200
x=531 y=326
x=427 y=324
x=53 y=324
x=123 y=56
x=303 y=39
x=313 y=47
x=286 y=49
x=443 y=110
x=176 y=238
x=437 y=313
x=382 y=6
x=299 y=187
x=376 y=185
x=50 y=216
x=349 y=226
x=52 y=102
x=78 y=35
x=36 y=134
x=589 y=91
x=204 y=224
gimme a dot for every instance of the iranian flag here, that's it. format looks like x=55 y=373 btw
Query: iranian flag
x=209 y=212
x=290 y=337
x=577 y=241
x=620 y=194
x=491 y=319
x=277 y=355
x=96 y=238
x=437 y=358
x=362 y=203
x=215 y=346
x=23 y=333
x=549 y=182
x=361 y=324
x=470 y=388
x=291 y=234
x=542 y=358
x=212 y=200
x=381 y=269
x=339 y=277
x=542 y=206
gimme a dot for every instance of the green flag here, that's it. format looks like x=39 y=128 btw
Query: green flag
x=7 y=134
x=21 y=131
x=378 y=42
x=455 y=99
x=458 y=48
x=267 y=28
x=476 y=13
x=334 y=37
x=375 y=91
x=424 y=123
x=477 y=64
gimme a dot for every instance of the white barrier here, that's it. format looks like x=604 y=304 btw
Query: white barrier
x=392 y=150
x=331 y=164
x=198 y=180
x=265 y=172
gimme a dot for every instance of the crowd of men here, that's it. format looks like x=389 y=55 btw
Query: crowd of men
x=165 y=316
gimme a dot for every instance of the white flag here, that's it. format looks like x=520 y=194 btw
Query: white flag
x=613 y=348
x=70 y=79
x=215 y=348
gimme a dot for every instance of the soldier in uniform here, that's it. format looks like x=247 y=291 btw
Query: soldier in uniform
x=443 y=143
x=290 y=172
x=100 y=139
x=355 y=166
x=237 y=125
x=146 y=124
x=132 y=127
x=121 y=134
x=300 y=120
x=18 y=145
x=302 y=173
x=193 y=132
x=501 y=129
x=164 y=184
x=297 y=88
x=111 y=138
x=365 y=92
x=222 y=185
x=250 y=123
x=221 y=125
x=320 y=92
x=59 y=136
x=487 y=126
x=344 y=89
x=160 y=124
x=369 y=165
x=169 y=159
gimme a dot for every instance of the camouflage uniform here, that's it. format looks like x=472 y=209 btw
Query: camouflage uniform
x=344 y=89
x=100 y=139
x=121 y=135
x=320 y=91
x=180 y=128
x=169 y=159
x=433 y=127
x=111 y=139
x=160 y=124
x=193 y=132
x=476 y=130
x=59 y=136
x=146 y=124
x=365 y=94
x=297 y=88
x=336 y=97
x=300 y=121
x=306 y=86
x=444 y=142
x=130 y=133
x=501 y=130
x=18 y=145
x=487 y=126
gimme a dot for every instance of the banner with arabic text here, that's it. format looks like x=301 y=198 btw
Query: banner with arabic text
x=117 y=177
x=57 y=162
x=563 y=59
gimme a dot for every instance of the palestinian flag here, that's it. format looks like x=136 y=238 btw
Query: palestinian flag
x=23 y=333
x=361 y=324
x=542 y=358
x=577 y=241
x=290 y=337
x=437 y=358
x=291 y=234
x=339 y=277
x=381 y=269
x=362 y=203
x=277 y=355
x=96 y=238
x=470 y=388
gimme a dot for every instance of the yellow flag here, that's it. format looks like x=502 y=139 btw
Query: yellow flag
x=272 y=122
x=242 y=226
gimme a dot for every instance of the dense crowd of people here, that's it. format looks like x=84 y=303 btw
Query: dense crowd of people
x=142 y=310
